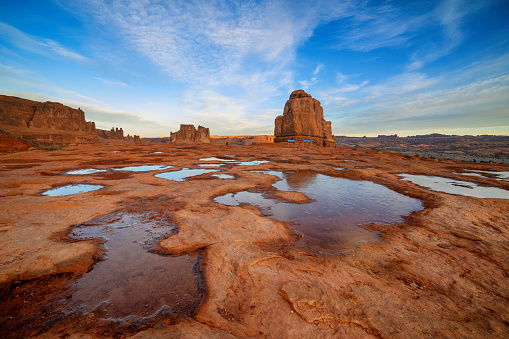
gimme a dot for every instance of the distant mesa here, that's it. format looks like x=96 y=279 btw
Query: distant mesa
x=189 y=135
x=302 y=119
x=46 y=122
x=52 y=123
x=243 y=140
x=117 y=134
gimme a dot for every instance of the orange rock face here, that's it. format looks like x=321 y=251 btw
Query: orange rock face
x=49 y=122
x=303 y=119
x=189 y=135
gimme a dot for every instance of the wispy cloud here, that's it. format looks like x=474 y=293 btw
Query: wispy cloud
x=110 y=82
x=38 y=45
x=418 y=102
x=306 y=84
x=214 y=42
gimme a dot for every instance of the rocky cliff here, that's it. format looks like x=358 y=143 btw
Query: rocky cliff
x=46 y=122
x=188 y=134
x=303 y=119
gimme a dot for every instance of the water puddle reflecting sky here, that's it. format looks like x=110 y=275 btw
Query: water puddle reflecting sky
x=502 y=175
x=133 y=280
x=215 y=159
x=223 y=176
x=140 y=168
x=184 y=173
x=210 y=165
x=71 y=189
x=329 y=224
x=143 y=168
x=452 y=186
x=84 y=171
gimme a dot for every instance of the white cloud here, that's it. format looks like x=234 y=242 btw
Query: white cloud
x=110 y=82
x=479 y=103
x=38 y=45
x=306 y=84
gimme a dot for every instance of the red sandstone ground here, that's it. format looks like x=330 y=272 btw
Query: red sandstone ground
x=442 y=273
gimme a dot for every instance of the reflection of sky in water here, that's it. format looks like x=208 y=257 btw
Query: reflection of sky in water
x=502 y=175
x=71 y=189
x=131 y=278
x=330 y=223
x=223 y=176
x=184 y=173
x=252 y=163
x=452 y=186
x=210 y=165
x=143 y=168
x=215 y=159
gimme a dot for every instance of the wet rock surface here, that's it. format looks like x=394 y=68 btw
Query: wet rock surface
x=442 y=271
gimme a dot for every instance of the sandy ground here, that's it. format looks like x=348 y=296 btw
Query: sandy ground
x=442 y=273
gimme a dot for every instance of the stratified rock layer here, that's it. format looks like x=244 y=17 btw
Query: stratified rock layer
x=189 y=135
x=48 y=122
x=302 y=119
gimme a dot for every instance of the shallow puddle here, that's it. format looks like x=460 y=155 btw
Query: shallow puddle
x=223 y=176
x=71 y=189
x=252 y=163
x=452 y=186
x=210 y=165
x=143 y=168
x=184 y=173
x=329 y=224
x=84 y=171
x=133 y=280
x=502 y=175
x=215 y=159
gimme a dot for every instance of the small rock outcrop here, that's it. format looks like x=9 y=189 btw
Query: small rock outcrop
x=302 y=119
x=188 y=134
x=113 y=134
x=46 y=122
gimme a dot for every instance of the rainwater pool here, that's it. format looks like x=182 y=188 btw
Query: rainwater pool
x=132 y=280
x=184 y=173
x=452 y=186
x=71 y=189
x=330 y=224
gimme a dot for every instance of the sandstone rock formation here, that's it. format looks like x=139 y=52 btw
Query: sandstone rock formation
x=47 y=122
x=114 y=133
x=302 y=119
x=189 y=135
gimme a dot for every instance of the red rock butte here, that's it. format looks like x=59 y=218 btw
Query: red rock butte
x=189 y=135
x=303 y=119
x=46 y=122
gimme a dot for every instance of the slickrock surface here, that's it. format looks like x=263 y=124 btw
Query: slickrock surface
x=302 y=119
x=441 y=273
x=48 y=122
x=188 y=134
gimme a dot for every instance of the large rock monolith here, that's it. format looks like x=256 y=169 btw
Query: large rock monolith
x=302 y=119
x=189 y=135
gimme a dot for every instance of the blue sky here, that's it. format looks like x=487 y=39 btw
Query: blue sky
x=377 y=67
